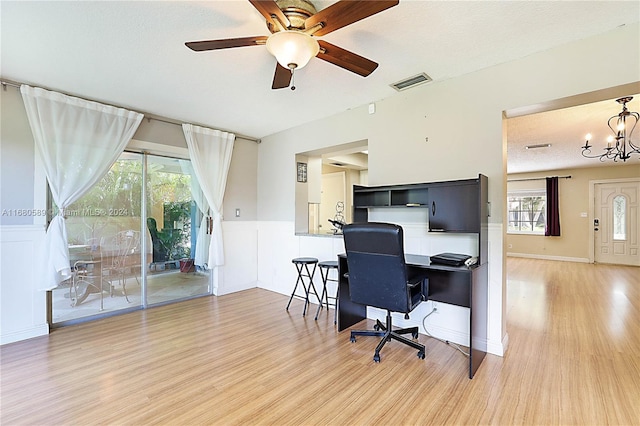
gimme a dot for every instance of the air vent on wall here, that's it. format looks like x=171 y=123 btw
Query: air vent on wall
x=410 y=82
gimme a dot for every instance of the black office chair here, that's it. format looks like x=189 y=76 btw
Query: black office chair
x=379 y=277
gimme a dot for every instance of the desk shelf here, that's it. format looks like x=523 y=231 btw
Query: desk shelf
x=457 y=206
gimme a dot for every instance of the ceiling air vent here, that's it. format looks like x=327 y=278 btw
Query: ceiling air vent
x=410 y=82
x=541 y=145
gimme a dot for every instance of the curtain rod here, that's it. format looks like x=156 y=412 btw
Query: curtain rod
x=522 y=180
x=147 y=115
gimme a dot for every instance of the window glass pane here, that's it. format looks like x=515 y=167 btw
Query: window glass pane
x=173 y=221
x=103 y=233
x=619 y=219
x=526 y=212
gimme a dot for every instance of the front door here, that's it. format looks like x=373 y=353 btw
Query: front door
x=617 y=214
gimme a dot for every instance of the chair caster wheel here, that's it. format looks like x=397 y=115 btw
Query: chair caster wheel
x=376 y=327
x=414 y=335
x=421 y=354
x=376 y=358
x=353 y=339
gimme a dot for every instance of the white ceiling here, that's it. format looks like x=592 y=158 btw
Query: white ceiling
x=132 y=54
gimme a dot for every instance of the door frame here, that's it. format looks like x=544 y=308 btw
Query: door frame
x=592 y=200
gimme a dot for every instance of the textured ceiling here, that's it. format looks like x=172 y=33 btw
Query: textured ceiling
x=565 y=130
x=132 y=53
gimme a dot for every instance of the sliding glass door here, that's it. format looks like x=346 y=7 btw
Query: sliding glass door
x=173 y=221
x=129 y=250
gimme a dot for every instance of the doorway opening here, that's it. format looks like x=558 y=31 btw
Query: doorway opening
x=324 y=192
x=545 y=140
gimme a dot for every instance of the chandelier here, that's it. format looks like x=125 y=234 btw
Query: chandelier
x=619 y=147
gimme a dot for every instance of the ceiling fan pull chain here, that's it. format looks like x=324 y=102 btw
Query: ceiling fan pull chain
x=293 y=81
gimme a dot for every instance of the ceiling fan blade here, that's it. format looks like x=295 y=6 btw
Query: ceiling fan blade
x=200 y=46
x=281 y=78
x=345 y=59
x=346 y=12
x=268 y=8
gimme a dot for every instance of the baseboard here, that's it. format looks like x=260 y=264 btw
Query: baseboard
x=447 y=334
x=545 y=257
x=498 y=348
x=37 y=331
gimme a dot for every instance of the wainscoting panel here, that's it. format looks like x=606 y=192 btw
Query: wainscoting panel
x=240 y=270
x=22 y=303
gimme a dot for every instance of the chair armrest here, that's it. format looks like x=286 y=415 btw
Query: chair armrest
x=419 y=281
x=415 y=281
x=414 y=284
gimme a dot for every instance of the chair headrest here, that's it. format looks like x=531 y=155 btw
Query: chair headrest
x=374 y=237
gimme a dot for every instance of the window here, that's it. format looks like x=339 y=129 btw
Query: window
x=619 y=222
x=526 y=212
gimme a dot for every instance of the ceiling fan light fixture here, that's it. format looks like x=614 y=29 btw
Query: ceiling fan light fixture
x=292 y=49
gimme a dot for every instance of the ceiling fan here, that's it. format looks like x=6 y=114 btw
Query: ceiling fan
x=294 y=24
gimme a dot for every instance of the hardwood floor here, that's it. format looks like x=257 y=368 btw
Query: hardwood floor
x=573 y=358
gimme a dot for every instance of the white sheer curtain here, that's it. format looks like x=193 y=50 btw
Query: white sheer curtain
x=210 y=152
x=78 y=141
x=203 y=238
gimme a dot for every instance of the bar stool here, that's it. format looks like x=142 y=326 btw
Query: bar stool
x=325 y=267
x=302 y=263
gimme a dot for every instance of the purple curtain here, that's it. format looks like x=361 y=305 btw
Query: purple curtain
x=553 y=212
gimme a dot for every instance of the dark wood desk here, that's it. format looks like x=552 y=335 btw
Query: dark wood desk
x=461 y=286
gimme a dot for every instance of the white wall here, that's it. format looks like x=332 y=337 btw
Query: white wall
x=462 y=119
x=16 y=158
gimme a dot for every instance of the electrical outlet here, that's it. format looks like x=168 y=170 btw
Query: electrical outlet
x=237 y=212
